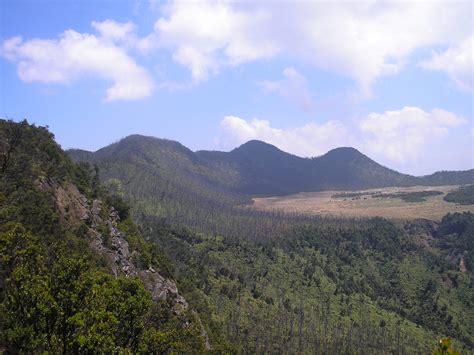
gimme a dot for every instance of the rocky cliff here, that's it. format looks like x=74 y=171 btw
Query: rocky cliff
x=104 y=237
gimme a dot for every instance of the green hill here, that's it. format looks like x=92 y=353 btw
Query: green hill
x=255 y=168
x=323 y=281
x=78 y=275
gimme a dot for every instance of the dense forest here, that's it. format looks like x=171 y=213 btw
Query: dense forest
x=464 y=195
x=252 y=281
x=327 y=289
x=57 y=293
x=331 y=285
x=255 y=168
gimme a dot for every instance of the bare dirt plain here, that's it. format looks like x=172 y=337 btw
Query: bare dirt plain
x=322 y=203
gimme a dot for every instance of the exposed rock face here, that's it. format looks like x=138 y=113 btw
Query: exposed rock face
x=107 y=240
x=104 y=237
x=71 y=204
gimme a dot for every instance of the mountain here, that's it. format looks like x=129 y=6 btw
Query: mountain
x=76 y=275
x=349 y=169
x=390 y=288
x=449 y=178
x=264 y=169
x=254 y=168
x=79 y=273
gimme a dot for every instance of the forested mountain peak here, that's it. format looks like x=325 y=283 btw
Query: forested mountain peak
x=332 y=285
x=137 y=143
x=345 y=153
x=256 y=167
x=256 y=147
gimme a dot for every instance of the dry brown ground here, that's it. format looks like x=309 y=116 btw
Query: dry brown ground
x=322 y=203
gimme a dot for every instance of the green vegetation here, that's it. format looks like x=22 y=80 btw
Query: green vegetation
x=275 y=282
x=464 y=195
x=444 y=347
x=323 y=288
x=255 y=168
x=441 y=178
x=256 y=282
x=415 y=196
x=455 y=240
x=56 y=294
x=354 y=194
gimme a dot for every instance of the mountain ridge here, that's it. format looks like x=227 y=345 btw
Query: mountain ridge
x=240 y=270
x=261 y=169
x=254 y=142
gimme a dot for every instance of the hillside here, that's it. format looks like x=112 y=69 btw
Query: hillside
x=76 y=274
x=164 y=178
x=265 y=170
x=247 y=270
x=254 y=168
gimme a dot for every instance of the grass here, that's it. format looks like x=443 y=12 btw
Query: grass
x=403 y=204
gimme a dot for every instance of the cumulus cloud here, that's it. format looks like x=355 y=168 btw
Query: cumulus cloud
x=457 y=61
x=362 y=41
x=293 y=87
x=311 y=139
x=402 y=135
x=74 y=55
x=114 y=31
x=206 y=35
x=393 y=137
x=359 y=40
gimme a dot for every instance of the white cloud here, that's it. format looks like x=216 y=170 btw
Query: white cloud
x=404 y=134
x=311 y=139
x=393 y=137
x=114 y=31
x=294 y=88
x=359 y=40
x=74 y=55
x=457 y=61
x=207 y=35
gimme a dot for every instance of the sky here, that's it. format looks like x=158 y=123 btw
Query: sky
x=392 y=79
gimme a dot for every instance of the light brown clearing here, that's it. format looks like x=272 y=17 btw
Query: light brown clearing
x=322 y=203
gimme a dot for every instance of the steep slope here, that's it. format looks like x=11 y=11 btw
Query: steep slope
x=76 y=275
x=169 y=164
x=163 y=178
x=262 y=283
x=264 y=169
x=349 y=169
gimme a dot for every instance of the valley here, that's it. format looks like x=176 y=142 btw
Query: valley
x=145 y=228
x=236 y=177
x=366 y=203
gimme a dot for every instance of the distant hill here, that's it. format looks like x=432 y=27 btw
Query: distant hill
x=254 y=168
x=77 y=269
x=449 y=178
x=163 y=178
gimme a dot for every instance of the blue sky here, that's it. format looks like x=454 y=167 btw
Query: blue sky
x=393 y=79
